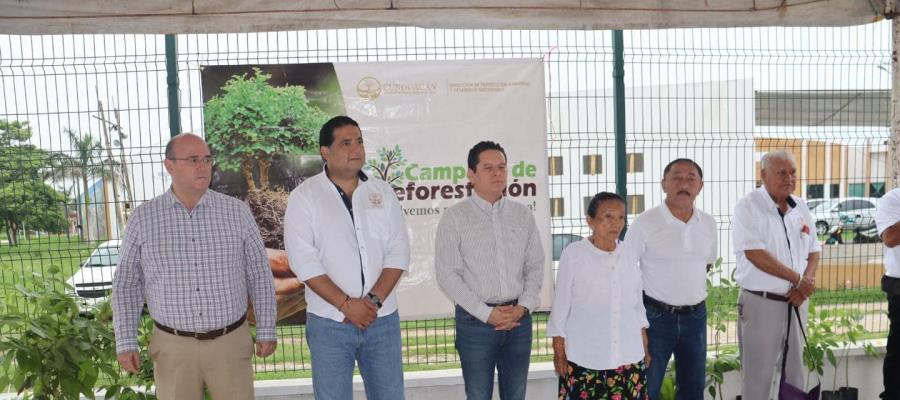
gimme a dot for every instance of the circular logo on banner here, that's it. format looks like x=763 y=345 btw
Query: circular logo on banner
x=368 y=88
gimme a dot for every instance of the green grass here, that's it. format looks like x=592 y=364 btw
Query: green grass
x=19 y=264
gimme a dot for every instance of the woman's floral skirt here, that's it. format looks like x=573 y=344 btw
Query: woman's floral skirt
x=627 y=382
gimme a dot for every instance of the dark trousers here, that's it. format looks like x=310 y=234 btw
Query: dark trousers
x=892 y=356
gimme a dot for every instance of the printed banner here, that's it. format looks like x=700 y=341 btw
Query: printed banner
x=418 y=119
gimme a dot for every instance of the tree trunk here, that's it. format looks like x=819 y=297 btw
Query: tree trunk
x=86 y=231
x=14 y=238
x=264 y=165
x=247 y=170
x=9 y=236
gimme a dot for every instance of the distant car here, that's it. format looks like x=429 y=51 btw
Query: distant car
x=813 y=203
x=93 y=281
x=851 y=213
x=560 y=241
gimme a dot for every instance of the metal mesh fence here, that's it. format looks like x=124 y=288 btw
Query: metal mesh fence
x=720 y=96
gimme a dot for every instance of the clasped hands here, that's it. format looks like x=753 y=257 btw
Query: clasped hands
x=799 y=293
x=504 y=318
x=359 y=312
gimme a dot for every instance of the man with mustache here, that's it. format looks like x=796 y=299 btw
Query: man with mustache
x=489 y=260
x=777 y=255
x=196 y=256
x=346 y=239
x=676 y=242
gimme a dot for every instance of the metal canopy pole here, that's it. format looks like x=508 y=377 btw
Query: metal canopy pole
x=619 y=111
x=172 y=80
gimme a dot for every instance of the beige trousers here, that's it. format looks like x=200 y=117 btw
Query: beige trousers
x=761 y=330
x=182 y=365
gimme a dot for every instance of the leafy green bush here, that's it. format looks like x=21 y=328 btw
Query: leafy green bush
x=50 y=350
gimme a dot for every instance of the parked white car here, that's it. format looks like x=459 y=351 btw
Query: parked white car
x=850 y=212
x=93 y=281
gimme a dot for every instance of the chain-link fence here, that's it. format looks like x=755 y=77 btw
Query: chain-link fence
x=97 y=113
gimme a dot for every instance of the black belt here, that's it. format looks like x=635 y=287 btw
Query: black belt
x=768 y=295
x=670 y=308
x=203 y=335
x=513 y=302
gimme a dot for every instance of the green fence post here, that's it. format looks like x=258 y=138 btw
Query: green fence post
x=172 y=81
x=619 y=111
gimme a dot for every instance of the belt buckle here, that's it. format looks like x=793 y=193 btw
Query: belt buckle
x=224 y=331
x=175 y=332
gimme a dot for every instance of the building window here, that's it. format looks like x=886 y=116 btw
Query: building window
x=587 y=203
x=816 y=191
x=557 y=207
x=835 y=190
x=635 y=162
x=634 y=204
x=592 y=164
x=556 y=165
x=856 y=190
x=876 y=189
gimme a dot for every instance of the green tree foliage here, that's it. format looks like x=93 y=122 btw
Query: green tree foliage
x=25 y=200
x=33 y=204
x=250 y=121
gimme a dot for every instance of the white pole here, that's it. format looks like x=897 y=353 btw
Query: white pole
x=891 y=10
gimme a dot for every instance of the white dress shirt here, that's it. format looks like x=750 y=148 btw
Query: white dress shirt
x=887 y=215
x=673 y=254
x=757 y=225
x=598 y=307
x=322 y=239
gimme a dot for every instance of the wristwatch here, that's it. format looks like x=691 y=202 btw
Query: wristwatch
x=374 y=299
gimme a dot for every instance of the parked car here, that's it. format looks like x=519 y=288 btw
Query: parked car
x=849 y=213
x=92 y=282
x=813 y=203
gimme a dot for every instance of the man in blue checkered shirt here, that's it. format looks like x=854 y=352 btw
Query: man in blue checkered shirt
x=196 y=257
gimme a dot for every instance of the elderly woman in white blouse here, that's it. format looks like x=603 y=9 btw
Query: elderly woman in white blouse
x=598 y=323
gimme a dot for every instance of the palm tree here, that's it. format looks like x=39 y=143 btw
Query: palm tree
x=83 y=164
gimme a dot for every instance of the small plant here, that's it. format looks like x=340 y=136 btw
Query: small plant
x=827 y=330
x=53 y=351
x=722 y=305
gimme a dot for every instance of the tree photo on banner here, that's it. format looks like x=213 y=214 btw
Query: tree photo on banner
x=418 y=119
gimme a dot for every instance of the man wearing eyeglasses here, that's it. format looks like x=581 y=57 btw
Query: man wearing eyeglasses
x=346 y=238
x=196 y=257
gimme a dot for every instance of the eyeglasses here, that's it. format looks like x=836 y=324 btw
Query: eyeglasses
x=196 y=161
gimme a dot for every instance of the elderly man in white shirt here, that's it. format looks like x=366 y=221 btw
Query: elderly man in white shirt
x=346 y=239
x=777 y=254
x=676 y=243
x=887 y=220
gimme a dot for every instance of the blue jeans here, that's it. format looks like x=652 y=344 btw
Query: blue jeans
x=481 y=349
x=334 y=346
x=685 y=336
